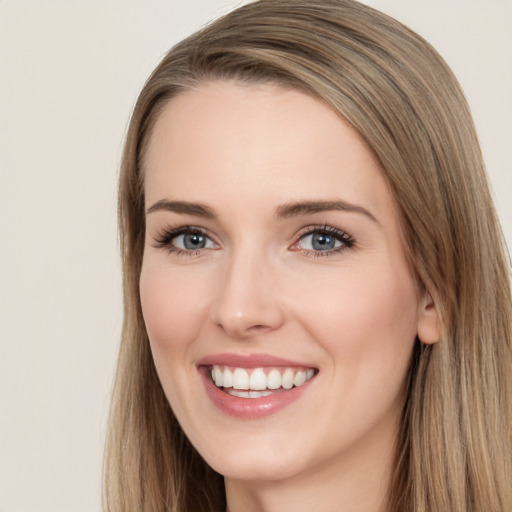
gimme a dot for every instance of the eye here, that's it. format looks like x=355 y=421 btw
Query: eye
x=187 y=240
x=319 y=242
x=192 y=241
x=323 y=241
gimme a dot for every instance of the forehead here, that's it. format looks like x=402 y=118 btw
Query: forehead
x=258 y=143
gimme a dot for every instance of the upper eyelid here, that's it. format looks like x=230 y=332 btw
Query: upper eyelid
x=321 y=228
x=325 y=228
x=164 y=236
x=179 y=230
x=347 y=239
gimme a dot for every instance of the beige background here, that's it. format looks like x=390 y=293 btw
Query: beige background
x=70 y=72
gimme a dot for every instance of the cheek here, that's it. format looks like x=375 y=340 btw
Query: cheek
x=172 y=306
x=366 y=321
x=367 y=328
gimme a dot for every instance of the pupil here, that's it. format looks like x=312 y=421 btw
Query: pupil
x=323 y=242
x=194 y=241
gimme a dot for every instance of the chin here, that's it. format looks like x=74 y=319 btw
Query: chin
x=256 y=461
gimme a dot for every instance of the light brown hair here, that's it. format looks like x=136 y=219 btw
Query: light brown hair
x=454 y=450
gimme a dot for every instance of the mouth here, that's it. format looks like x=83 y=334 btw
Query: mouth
x=254 y=386
x=258 y=382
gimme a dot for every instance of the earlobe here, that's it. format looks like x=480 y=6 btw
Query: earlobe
x=429 y=322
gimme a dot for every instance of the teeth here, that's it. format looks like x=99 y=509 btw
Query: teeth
x=256 y=383
x=258 y=380
x=299 y=378
x=218 y=376
x=228 y=379
x=287 y=379
x=240 y=379
x=274 y=379
x=249 y=394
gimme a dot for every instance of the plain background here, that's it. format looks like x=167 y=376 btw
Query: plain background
x=70 y=72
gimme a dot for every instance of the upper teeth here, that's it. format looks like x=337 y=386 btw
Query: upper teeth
x=259 y=379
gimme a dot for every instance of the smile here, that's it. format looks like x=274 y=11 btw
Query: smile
x=255 y=386
x=258 y=382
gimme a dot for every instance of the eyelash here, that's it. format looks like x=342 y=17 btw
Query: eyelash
x=165 y=238
x=347 y=241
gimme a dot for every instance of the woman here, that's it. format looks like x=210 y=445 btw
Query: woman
x=317 y=294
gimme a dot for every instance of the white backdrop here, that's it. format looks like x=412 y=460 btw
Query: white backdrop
x=70 y=71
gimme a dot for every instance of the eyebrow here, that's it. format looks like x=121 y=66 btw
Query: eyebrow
x=288 y=210
x=183 y=207
x=285 y=211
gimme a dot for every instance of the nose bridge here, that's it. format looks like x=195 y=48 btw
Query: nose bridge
x=246 y=302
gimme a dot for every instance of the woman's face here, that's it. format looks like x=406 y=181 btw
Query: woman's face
x=273 y=257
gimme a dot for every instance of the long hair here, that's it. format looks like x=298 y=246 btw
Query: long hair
x=454 y=448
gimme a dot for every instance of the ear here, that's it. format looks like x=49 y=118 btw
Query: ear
x=429 y=322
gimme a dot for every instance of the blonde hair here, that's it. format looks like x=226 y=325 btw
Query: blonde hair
x=454 y=450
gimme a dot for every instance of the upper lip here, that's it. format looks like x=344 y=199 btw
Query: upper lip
x=249 y=361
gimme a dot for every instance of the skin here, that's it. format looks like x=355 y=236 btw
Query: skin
x=260 y=286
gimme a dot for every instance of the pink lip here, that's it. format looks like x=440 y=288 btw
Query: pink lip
x=249 y=408
x=249 y=361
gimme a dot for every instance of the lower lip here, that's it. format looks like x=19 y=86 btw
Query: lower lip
x=250 y=408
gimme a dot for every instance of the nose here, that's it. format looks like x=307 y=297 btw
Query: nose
x=247 y=301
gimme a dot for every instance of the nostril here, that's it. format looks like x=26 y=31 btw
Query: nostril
x=259 y=329
x=243 y=331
